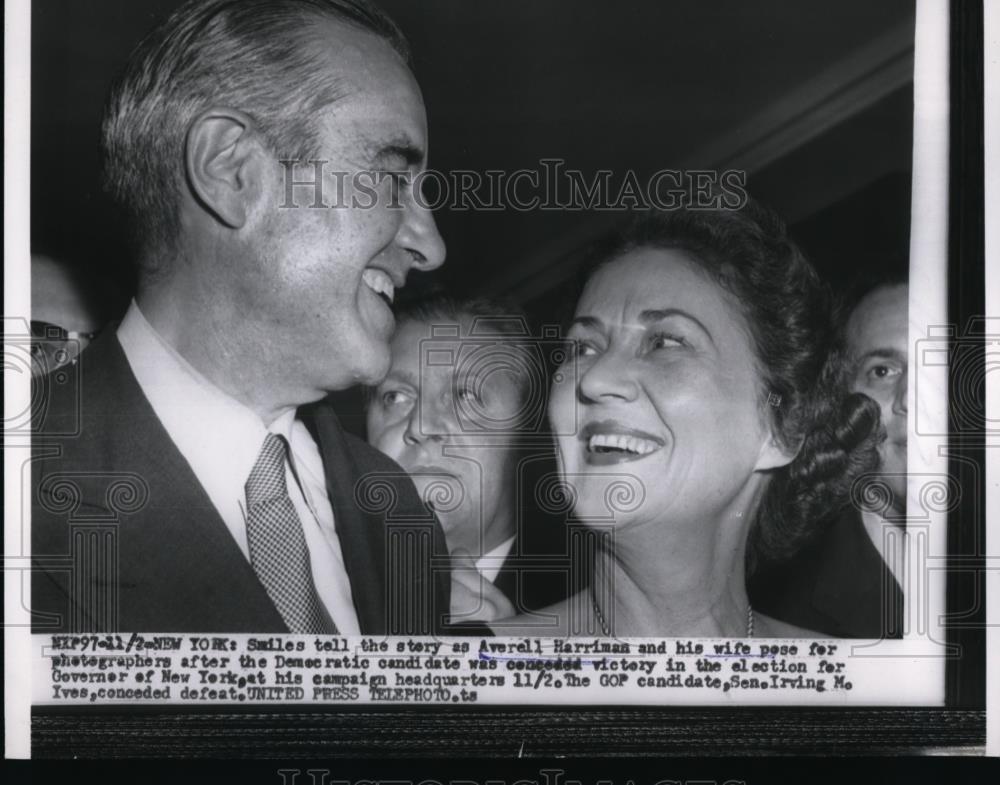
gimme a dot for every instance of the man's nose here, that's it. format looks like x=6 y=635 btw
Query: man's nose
x=425 y=424
x=419 y=235
x=899 y=405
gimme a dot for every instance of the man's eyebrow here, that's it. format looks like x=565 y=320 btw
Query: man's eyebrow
x=654 y=315
x=883 y=353
x=402 y=148
x=587 y=321
x=406 y=377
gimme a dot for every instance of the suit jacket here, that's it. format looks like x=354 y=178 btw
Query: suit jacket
x=124 y=537
x=838 y=585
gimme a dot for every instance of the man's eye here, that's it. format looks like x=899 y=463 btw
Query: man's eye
x=399 y=180
x=468 y=395
x=881 y=373
x=584 y=348
x=394 y=398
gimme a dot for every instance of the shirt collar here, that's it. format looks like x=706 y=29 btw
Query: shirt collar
x=218 y=436
x=489 y=564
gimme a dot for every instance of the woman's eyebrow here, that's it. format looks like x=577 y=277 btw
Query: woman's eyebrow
x=653 y=315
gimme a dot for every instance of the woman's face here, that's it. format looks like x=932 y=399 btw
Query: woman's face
x=663 y=417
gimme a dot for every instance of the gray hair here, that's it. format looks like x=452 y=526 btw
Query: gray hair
x=251 y=55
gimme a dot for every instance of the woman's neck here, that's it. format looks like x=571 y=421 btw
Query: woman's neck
x=684 y=586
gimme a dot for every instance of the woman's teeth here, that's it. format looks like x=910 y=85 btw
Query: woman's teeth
x=606 y=442
x=379 y=282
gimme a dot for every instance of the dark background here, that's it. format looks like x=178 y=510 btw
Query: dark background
x=812 y=99
x=643 y=86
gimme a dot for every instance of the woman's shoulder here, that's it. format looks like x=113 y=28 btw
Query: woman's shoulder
x=768 y=627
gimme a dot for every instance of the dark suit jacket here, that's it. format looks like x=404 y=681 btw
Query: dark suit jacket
x=124 y=537
x=838 y=585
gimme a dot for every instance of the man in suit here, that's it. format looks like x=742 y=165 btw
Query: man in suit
x=190 y=478
x=453 y=411
x=847 y=582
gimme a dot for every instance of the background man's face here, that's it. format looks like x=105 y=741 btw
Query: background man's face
x=434 y=421
x=320 y=280
x=877 y=341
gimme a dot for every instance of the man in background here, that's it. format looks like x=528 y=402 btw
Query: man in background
x=195 y=474
x=67 y=312
x=848 y=582
x=459 y=398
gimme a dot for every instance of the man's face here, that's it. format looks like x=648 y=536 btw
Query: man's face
x=320 y=280
x=434 y=420
x=877 y=341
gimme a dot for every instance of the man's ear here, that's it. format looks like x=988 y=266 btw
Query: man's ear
x=221 y=166
x=774 y=455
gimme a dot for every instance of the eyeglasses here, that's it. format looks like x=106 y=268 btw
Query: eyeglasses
x=53 y=346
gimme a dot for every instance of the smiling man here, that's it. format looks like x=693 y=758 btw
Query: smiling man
x=229 y=506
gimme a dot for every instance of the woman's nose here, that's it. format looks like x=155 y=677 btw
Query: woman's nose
x=606 y=377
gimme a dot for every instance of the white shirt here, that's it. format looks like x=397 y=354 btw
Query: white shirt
x=889 y=540
x=220 y=438
x=489 y=564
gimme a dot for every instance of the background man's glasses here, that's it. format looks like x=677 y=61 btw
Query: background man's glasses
x=53 y=346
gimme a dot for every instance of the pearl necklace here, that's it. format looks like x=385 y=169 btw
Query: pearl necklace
x=606 y=628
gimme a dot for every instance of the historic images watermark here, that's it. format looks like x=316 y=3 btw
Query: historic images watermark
x=317 y=184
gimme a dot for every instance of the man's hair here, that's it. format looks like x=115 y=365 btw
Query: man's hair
x=492 y=320
x=863 y=285
x=257 y=56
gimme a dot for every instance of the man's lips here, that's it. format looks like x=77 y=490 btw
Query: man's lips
x=430 y=469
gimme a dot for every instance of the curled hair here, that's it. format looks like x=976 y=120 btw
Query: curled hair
x=803 y=373
x=257 y=56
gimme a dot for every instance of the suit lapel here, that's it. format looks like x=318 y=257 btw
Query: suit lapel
x=362 y=537
x=179 y=560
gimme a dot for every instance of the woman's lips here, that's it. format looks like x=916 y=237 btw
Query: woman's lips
x=610 y=442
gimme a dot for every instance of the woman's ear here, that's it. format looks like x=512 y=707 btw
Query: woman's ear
x=774 y=454
x=219 y=160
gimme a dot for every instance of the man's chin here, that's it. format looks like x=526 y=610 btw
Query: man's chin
x=370 y=364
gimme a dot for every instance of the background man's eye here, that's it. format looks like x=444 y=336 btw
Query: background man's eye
x=469 y=395
x=394 y=398
x=882 y=372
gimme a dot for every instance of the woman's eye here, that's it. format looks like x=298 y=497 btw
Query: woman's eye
x=665 y=341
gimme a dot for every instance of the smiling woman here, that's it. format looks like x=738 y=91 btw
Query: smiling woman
x=708 y=424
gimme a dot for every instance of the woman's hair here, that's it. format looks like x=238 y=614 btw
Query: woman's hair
x=789 y=311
